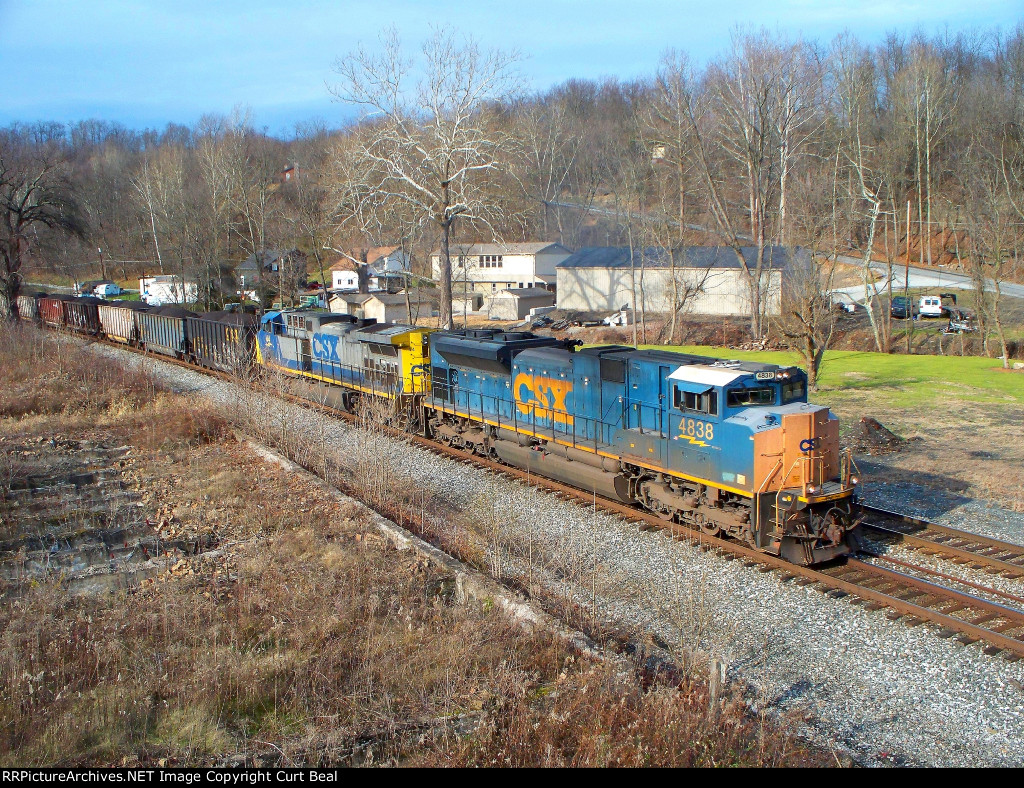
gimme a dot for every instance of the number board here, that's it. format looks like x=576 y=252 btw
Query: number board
x=765 y=376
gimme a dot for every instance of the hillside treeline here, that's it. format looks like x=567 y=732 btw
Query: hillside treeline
x=831 y=145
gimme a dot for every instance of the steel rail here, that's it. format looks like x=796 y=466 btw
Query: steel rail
x=833 y=579
x=1005 y=558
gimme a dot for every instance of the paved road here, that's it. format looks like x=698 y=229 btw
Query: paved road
x=937 y=279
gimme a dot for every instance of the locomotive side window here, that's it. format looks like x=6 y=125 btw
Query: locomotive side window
x=698 y=403
x=745 y=398
x=794 y=391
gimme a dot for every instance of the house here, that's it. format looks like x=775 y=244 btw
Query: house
x=488 y=268
x=516 y=302
x=392 y=308
x=161 y=290
x=604 y=278
x=344 y=275
x=380 y=261
x=348 y=302
x=272 y=267
x=383 y=307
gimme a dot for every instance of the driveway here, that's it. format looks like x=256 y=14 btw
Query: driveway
x=937 y=279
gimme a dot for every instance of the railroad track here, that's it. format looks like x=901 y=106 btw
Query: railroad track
x=917 y=601
x=980 y=552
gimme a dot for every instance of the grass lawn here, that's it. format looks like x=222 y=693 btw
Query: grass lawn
x=905 y=381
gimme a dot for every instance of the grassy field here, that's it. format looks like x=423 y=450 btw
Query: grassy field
x=905 y=381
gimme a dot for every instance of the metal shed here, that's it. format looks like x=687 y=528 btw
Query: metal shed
x=516 y=302
x=608 y=278
x=163 y=330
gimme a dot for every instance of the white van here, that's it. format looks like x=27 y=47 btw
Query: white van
x=932 y=306
x=107 y=290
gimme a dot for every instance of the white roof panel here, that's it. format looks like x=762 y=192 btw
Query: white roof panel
x=707 y=376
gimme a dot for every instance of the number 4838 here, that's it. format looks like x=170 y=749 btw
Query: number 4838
x=701 y=430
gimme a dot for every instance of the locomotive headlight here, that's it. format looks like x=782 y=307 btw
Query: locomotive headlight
x=854 y=480
x=812 y=489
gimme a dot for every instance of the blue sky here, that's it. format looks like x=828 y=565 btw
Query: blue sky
x=147 y=62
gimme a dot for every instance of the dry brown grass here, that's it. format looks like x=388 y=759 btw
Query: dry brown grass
x=306 y=638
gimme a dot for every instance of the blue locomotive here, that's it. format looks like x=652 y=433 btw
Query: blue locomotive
x=730 y=447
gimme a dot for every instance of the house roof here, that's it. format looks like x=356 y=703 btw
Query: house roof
x=346 y=263
x=378 y=252
x=531 y=247
x=350 y=298
x=398 y=299
x=526 y=293
x=268 y=257
x=689 y=257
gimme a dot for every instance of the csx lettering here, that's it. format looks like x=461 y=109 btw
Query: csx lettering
x=545 y=397
x=696 y=430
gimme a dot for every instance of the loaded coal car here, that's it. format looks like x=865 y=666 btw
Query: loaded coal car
x=28 y=305
x=82 y=314
x=119 y=321
x=222 y=340
x=386 y=360
x=163 y=330
x=51 y=310
x=730 y=447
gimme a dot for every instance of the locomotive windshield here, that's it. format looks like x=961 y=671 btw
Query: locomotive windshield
x=794 y=391
x=745 y=398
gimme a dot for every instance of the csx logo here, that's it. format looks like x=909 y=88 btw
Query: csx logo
x=542 y=397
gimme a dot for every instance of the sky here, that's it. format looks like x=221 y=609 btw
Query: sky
x=145 y=63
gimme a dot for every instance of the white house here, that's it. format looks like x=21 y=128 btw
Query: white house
x=380 y=260
x=702 y=280
x=160 y=290
x=490 y=268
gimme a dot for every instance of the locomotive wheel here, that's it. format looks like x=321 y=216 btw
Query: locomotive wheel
x=707 y=527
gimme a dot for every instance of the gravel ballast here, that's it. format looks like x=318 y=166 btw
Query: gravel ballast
x=854 y=679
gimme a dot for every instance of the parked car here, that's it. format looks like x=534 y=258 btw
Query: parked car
x=903 y=308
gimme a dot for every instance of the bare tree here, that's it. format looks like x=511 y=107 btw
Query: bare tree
x=35 y=196
x=437 y=146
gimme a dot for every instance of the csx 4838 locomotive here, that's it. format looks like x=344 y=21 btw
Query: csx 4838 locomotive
x=729 y=447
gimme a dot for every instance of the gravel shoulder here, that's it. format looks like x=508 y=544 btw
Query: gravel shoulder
x=884 y=692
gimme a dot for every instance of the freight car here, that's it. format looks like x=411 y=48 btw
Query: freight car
x=163 y=330
x=51 y=310
x=119 y=321
x=222 y=340
x=82 y=315
x=28 y=305
x=729 y=447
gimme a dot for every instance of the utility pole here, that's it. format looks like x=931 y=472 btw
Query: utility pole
x=906 y=287
x=103 y=267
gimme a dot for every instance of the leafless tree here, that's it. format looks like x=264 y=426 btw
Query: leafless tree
x=35 y=196
x=434 y=146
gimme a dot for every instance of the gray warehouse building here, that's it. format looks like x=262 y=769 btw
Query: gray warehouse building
x=602 y=278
